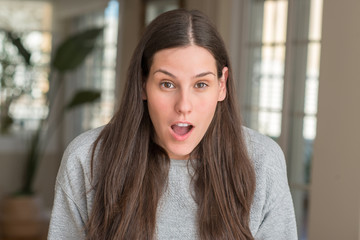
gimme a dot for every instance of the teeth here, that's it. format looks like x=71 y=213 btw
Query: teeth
x=182 y=124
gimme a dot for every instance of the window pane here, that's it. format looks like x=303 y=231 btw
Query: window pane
x=271 y=93
x=23 y=16
x=275 y=17
x=315 y=19
x=309 y=131
x=266 y=73
x=98 y=70
x=272 y=61
x=311 y=90
x=311 y=94
x=264 y=95
x=24 y=84
x=270 y=123
x=313 y=61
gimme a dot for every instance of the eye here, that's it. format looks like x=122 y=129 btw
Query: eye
x=201 y=85
x=167 y=85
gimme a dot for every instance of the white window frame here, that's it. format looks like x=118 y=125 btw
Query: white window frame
x=240 y=18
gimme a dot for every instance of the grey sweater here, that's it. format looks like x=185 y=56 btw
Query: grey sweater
x=272 y=213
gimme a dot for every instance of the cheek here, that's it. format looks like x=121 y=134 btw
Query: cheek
x=158 y=103
x=158 y=108
x=206 y=108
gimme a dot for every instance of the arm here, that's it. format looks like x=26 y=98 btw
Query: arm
x=66 y=221
x=73 y=191
x=278 y=220
x=272 y=211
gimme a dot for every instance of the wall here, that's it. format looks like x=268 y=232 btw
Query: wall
x=335 y=193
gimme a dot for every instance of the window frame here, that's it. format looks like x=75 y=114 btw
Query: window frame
x=239 y=45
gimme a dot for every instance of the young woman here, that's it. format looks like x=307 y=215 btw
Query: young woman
x=174 y=162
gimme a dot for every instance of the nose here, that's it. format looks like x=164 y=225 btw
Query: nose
x=183 y=103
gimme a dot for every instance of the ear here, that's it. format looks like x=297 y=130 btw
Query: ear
x=222 y=84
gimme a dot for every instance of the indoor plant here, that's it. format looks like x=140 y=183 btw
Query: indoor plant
x=68 y=56
x=10 y=89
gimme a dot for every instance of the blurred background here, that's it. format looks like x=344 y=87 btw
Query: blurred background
x=296 y=65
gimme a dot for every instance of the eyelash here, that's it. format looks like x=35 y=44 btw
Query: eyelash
x=170 y=85
x=201 y=83
x=166 y=84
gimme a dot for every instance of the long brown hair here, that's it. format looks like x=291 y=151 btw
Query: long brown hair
x=130 y=170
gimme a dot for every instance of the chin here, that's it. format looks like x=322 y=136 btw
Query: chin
x=178 y=150
x=179 y=155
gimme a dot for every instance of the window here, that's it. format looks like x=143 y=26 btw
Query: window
x=280 y=98
x=98 y=70
x=23 y=85
x=266 y=45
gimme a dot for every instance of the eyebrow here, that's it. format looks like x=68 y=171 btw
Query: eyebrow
x=173 y=76
x=165 y=72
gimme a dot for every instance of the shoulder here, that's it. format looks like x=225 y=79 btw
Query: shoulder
x=272 y=213
x=83 y=143
x=268 y=161
x=263 y=151
x=75 y=163
x=73 y=190
x=270 y=169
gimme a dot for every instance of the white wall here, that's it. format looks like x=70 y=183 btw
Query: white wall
x=335 y=193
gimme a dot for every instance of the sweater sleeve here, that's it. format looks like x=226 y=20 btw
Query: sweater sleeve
x=273 y=216
x=66 y=221
x=73 y=190
x=278 y=221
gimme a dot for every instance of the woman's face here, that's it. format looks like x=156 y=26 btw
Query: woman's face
x=182 y=91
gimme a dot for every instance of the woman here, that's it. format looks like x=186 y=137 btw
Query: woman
x=174 y=161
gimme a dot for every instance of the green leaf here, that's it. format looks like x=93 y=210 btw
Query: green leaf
x=73 y=51
x=16 y=41
x=82 y=97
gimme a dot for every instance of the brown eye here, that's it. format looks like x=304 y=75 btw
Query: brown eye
x=201 y=85
x=167 y=85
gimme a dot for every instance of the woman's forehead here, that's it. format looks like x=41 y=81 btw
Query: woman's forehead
x=184 y=58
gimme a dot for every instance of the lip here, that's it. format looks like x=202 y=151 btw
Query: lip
x=183 y=137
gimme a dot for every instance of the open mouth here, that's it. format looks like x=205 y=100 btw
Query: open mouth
x=181 y=129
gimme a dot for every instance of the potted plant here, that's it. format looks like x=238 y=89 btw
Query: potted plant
x=21 y=213
x=10 y=89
